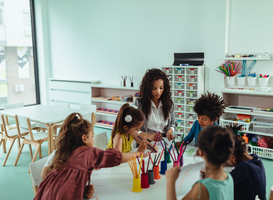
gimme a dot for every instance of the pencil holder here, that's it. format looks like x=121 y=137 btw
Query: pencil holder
x=263 y=82
x=181 y=161
x=136 y=185
x=176 y=163
x=231 y=80
x=163 y=166
x=151 y=177
x=241 y=80
x=156 y=172
x=251 y=81
x=144 y=181
x=165 y=155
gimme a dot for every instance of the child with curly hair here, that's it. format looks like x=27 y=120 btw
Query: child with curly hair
x=248 y=173
x=209 y=107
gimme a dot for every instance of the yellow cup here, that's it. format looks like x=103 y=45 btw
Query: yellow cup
x=136 y=185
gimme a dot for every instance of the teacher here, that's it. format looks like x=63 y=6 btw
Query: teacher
x=156 y=104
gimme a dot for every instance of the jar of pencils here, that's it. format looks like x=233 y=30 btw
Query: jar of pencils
x=231 y=80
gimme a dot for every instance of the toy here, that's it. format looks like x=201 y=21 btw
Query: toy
x=245 y=138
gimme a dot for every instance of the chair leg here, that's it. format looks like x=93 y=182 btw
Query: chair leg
x=4 y=146
x=12 y=143
x=19 y=143
x=30 y=151
x=19 y=153
x=35 y=155
x=40 y=153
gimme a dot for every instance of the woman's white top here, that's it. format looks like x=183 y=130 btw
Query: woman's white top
x=156 y=120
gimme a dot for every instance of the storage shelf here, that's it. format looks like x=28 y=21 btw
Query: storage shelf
x=248 y=58
x=102 y=126
x=111 y=101
x=257 y=91
x=106 y=114
x=114 y=87
x=257 y=133
x=254 y=113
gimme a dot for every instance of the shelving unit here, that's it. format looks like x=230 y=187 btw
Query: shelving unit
x=250 y=99
x=187 y=85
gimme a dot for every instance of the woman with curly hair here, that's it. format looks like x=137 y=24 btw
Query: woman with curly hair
x=209 y=108
x=156 y=104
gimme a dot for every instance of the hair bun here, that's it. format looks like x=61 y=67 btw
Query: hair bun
x=128 y=118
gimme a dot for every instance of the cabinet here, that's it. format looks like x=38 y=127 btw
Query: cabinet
x=187 y=85
x=251 y=99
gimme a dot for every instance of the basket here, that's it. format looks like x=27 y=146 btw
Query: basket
x=245 y=127
x=260 y=151
x=262 y=124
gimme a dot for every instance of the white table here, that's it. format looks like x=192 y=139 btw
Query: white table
x=44 y=114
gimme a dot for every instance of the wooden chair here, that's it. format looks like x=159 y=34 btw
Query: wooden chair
x=35 y=173
x=2 y=140
x=101 y=140
x=10 y=135
x=32 y=139
x=271 y=194
x=10 y=106
x=91 y=108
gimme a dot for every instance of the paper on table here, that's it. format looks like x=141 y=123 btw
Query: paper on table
x=106 y=192
x=189 y=174
x=99 y=177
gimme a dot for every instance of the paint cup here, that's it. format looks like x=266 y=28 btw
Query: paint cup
x=176 y=163
x=136 y=185
x=151 y=177
x=165 y=155
x=181 y=161
x=163 y=166
x=144 y=181
x=156 y=172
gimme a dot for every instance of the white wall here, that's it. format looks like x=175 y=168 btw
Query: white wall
x=101 y=39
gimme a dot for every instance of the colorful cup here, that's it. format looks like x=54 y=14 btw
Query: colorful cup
x=176 y=163
x=156 y=172
x=151 y=177
x=163 y=166
x=165 y=156
x=144 y=181
x=136 y=185
x=181 y=161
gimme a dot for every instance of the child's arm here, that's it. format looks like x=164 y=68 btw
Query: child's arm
x=117 y=142
x=171 y=176
x=195 y=191
x=190 y=135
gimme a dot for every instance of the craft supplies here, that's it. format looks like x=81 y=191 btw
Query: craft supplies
x=148 y=144
x=229 y=68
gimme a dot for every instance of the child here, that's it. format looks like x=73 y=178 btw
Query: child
x=128 y=123
x=248 y=174
x=215 y=147
x=209 y=107
x=74 y=160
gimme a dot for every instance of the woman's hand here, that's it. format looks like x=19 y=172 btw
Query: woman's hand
x=170 y=135
x=88 y=191
x=153 y=136
x=143 y=145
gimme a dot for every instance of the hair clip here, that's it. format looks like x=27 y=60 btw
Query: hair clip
x=128 y=118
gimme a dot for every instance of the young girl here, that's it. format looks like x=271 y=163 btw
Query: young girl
x=74 y=160
x=126 y=128
x=215 y=147
x=156 y=103
x=209 y=108
x=248 y=174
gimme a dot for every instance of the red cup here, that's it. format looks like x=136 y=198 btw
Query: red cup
x=144 y=181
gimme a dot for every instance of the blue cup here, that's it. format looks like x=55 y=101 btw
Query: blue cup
x=163 y=167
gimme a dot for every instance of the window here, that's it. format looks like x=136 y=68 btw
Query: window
x=18 y=61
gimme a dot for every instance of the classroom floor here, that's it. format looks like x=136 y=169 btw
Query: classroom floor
x=15 y=182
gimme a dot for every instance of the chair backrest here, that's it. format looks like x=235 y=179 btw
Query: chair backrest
x=24 y=123
x=3 y=126
x=101 y=140
x=35 y=172
x=89 y=107
x=15 y=105
x=61 y=104
x=271 y=194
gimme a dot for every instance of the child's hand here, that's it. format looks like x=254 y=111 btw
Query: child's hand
x=143 y=145
x=203 y=174
x=172 y=174
x=88 y=191
x=178 y=144
x=156 y=148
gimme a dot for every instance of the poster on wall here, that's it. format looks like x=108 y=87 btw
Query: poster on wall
x=3 y=71
x=23 y=62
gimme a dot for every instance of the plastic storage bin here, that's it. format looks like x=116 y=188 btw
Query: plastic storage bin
x=191 y=86
x=191 y=78
x=245 y=127
x=241 y=81
x=179 y=100
x=191 y=116
x=179 y=71
x=260 y=151
x=179 y=93
x=263 y=82
x=179 y=115
x=262 y=124
x=179 y=108
x=191 y=101
x=251 y=81
x=179 y=78
x=168 y=70
x=170 y=77
x=179 y=129
x=189 y=124
x=179 y=85
x=180 y=123
x=191 y=94
x=189 y=109
x=231 y=80
x=191 y=71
